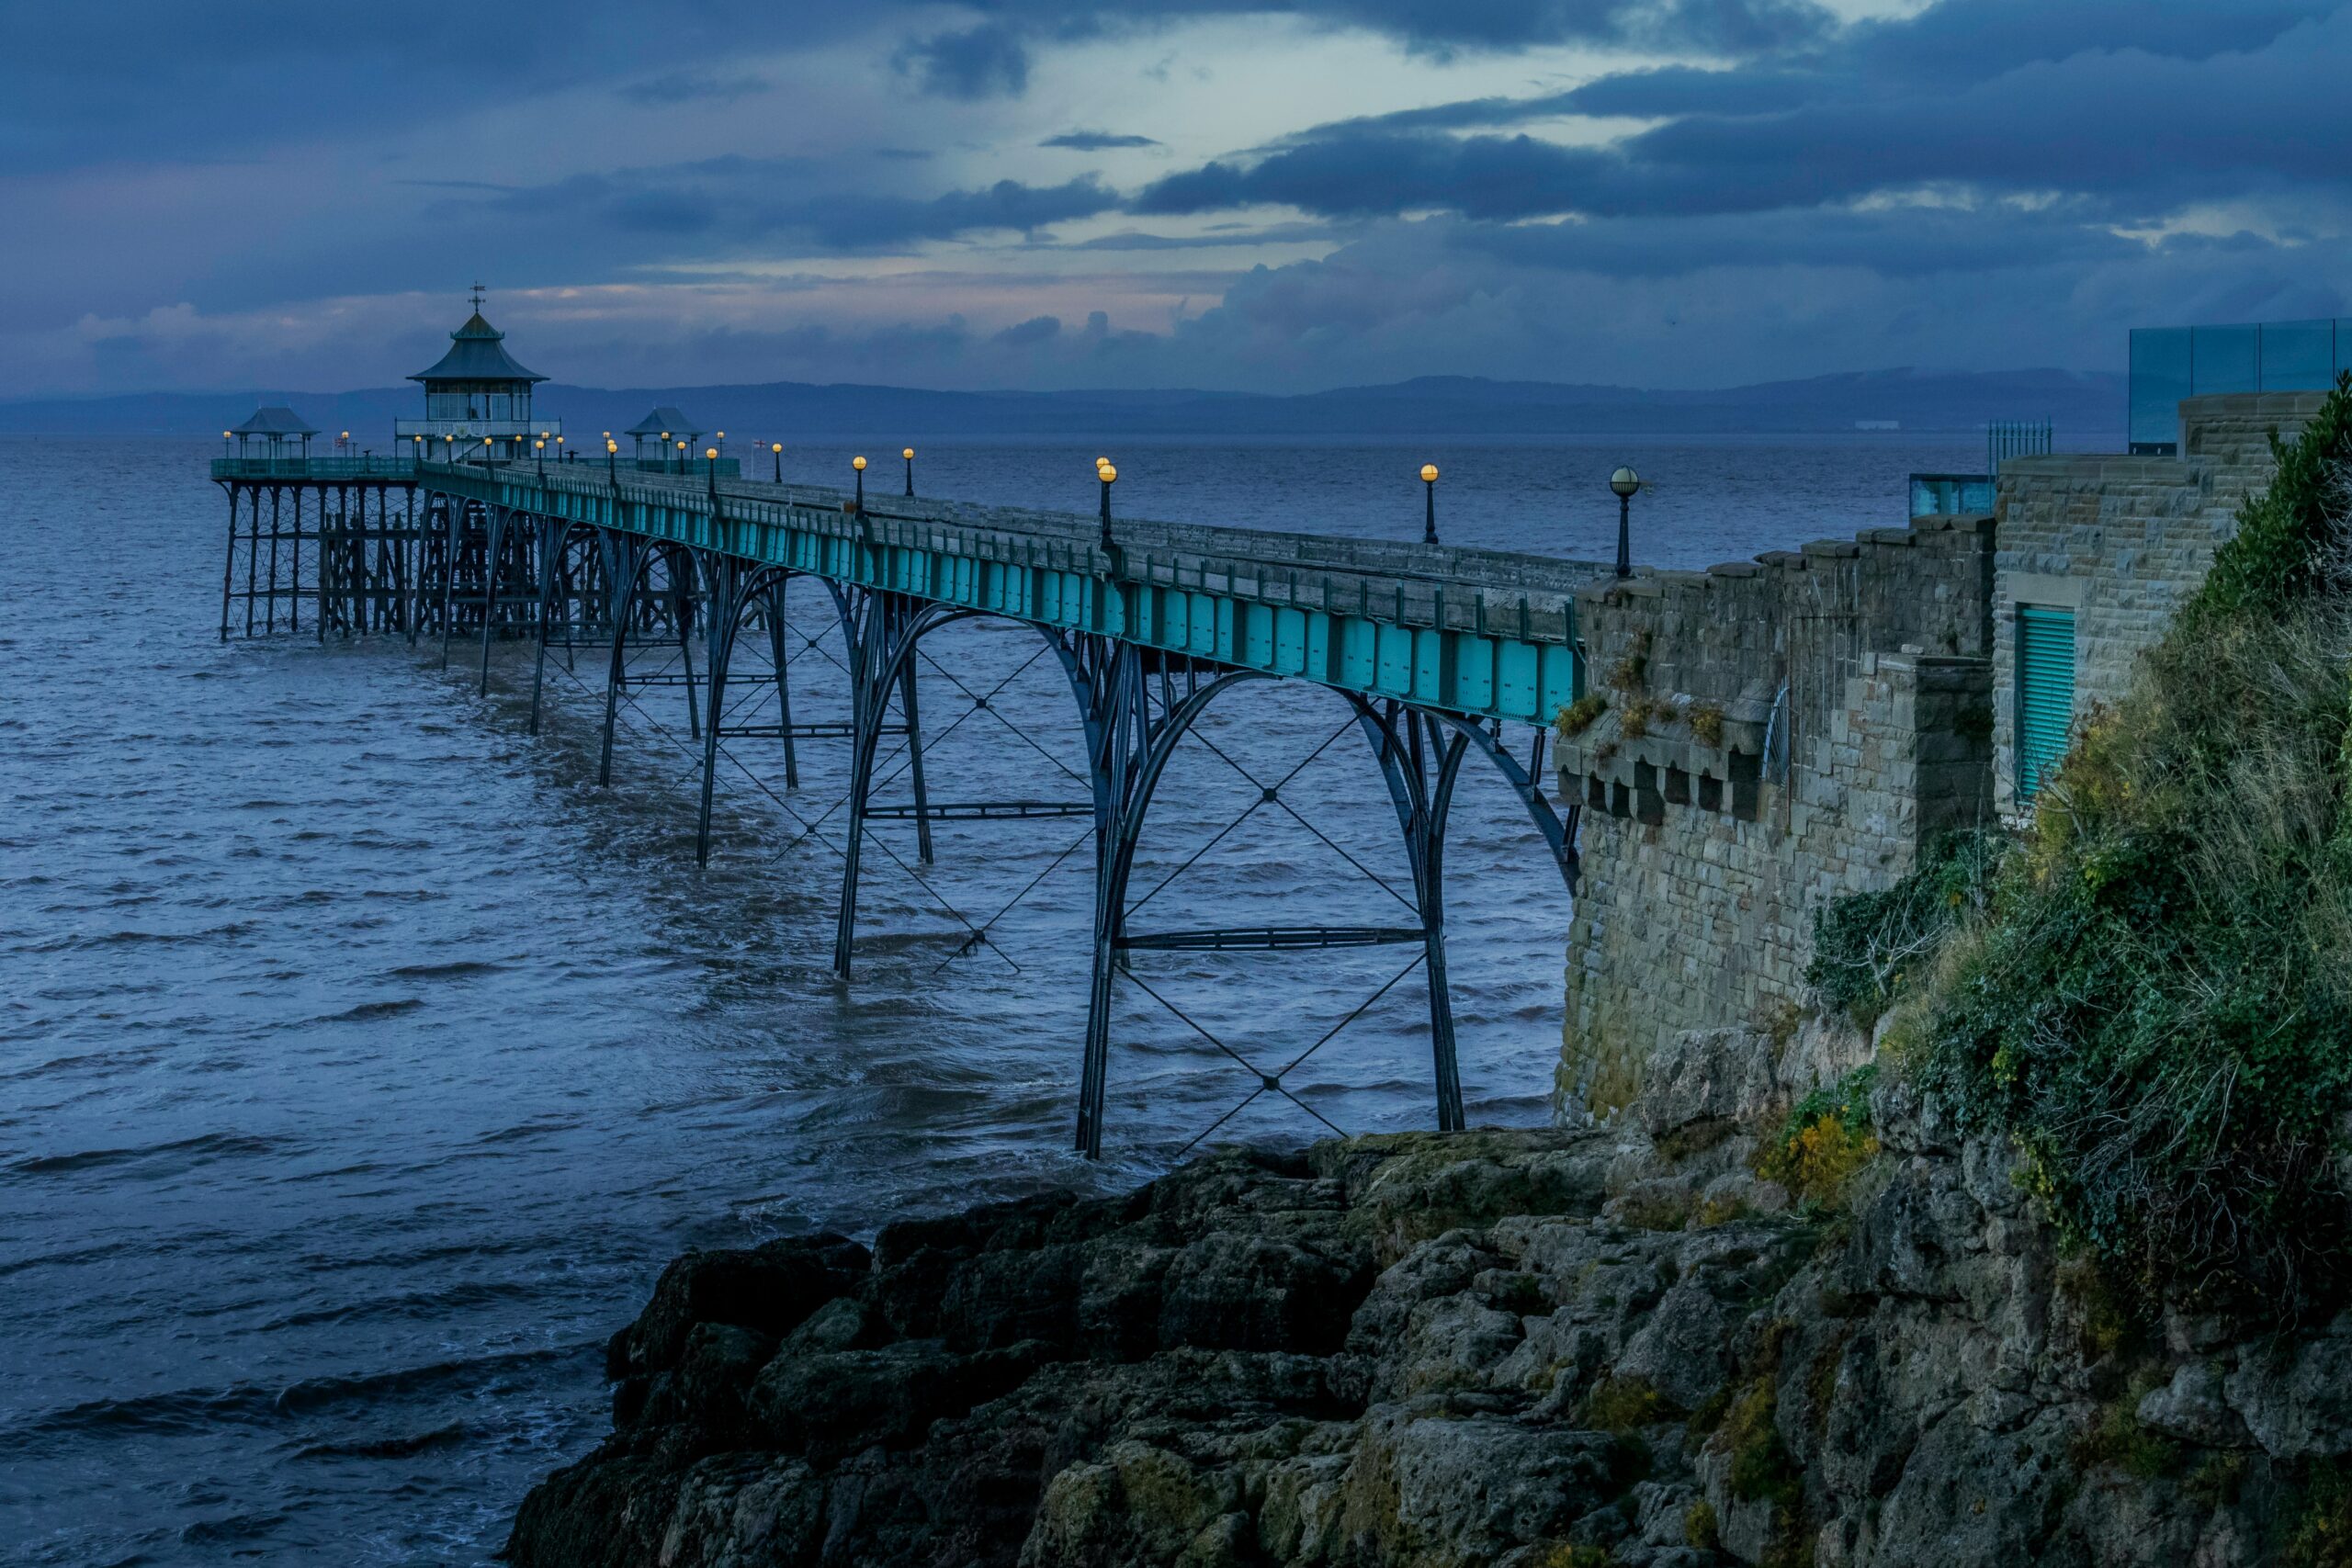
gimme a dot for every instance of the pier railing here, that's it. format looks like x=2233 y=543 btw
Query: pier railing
x=320 y=469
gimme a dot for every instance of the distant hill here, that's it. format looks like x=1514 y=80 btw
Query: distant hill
x=2080 y=404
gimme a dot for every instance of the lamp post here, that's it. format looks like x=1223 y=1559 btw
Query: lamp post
x=612 y=461
x=859 y=463
x=1109 y=476
x=776 y=449
x=1429 y=515
x=682 y=457
x=540 y=446
x=1624 y=482
x=485 y=451
x=910 y=455
x=224 y=445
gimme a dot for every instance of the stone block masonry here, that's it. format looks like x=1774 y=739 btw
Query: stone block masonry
x=1776 y=732
x=1767 y=735
x=2122 y=542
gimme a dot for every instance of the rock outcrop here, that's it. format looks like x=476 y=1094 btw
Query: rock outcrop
x=1532 y=1349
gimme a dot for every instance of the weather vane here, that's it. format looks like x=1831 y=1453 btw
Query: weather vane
x=477 y=297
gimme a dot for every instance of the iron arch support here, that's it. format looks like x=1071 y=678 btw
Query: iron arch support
x=558 y=587
x=1419 y=760
x=731 y=589
x=1559 y=832
x=1129 y=750
x=884 y=629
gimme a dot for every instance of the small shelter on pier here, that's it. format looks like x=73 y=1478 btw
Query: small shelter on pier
x=280 y=431
x=478 y=399
x=666 y=427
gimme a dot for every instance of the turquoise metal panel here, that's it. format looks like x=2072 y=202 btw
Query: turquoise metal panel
x=1360 y=654
x=1257 y=636
x=1474 y=673
x=1559 y=682
x=1394 y=671
x=2045 y=692
x=1290 y=641
x=1519 y=677
x=1050 y=581
x=1428 y=665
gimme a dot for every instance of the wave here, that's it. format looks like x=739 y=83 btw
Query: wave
x=366 y=1010
x=208 y=1145
x=207 y=1410
x=457 y=1432
x=455 y=969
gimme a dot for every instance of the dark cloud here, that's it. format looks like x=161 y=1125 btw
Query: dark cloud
x=2140 y=132
x=1683 y=90
x=1095 y=140
x=1893 y=241
x=158 y=79
x=862 y=222
x=985 y=62
x=1036 y=330
x=693 y=86
x=1226 y=236
x=737 y=203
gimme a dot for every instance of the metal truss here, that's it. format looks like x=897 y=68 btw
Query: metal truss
x=495 y=572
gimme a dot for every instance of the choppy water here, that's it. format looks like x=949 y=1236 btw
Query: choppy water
x=361 y=1063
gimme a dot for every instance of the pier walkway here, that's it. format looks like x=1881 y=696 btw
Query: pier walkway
x=1438 y=651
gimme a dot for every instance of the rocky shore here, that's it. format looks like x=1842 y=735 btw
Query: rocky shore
x=1532 y=1349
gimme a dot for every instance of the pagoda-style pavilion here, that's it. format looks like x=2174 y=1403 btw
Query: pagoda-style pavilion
x=667 y=428
x=477 y=400
x=278 y=430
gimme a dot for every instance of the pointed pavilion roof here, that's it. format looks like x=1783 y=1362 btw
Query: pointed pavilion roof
x=664 y=420
x=274 y=419
x=477 y=353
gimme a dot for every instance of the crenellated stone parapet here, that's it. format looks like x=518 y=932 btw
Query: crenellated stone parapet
x=1758 y=737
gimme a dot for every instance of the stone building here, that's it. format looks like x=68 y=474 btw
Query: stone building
x=1763 y=735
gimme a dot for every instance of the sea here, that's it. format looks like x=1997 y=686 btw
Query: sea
x=362 y=1062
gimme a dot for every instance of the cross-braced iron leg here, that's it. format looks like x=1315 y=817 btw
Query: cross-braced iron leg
x=496 y=527
x=555 y=537
x=782 y=678
x=914 y=760
x=1420 y=762
x=881 y=627
x=629 y=557
x=722 y=579
x=1128 y=746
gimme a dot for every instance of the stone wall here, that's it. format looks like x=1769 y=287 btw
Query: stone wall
x=1773 y=733
x=2122 y=542
x=1776 y=732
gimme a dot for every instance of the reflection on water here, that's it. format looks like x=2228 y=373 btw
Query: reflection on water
x=361 y=1063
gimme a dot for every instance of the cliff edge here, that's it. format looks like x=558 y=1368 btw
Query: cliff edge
x=1534 y=1349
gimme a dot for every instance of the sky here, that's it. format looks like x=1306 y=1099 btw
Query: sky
x=1229 y=193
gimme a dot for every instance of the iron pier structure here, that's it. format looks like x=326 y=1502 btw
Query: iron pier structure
x=1438 y=654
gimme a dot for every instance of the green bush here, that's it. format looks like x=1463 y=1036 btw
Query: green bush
x=1866 y=945
x=2156 y=1003
x=1824 y=1141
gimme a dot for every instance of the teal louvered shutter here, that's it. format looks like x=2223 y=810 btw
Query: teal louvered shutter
x=2045 y=692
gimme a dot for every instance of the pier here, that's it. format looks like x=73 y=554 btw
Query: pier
x=674 y=575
